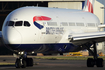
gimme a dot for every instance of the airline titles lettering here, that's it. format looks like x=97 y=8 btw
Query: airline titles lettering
x=54 y=30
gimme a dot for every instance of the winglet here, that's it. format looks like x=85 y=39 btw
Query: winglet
x=89 y=5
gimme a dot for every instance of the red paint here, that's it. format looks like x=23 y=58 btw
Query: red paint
x=90 y=6
x=41 y=18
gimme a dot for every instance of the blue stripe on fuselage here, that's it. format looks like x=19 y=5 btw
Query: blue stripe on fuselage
x=60 y=47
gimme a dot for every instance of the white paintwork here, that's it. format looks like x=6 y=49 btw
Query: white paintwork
x=69 y=34
x=32 y=34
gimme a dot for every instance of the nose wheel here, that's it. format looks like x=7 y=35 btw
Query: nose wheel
x=18 y=63
x=23 y=62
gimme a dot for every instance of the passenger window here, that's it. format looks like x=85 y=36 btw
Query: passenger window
x=18 y=23
x=26 y=23
x=52 y=23
x=91 y=24
x=71 y=24
x=11 y=23
x=64 y=24
x=80 y=24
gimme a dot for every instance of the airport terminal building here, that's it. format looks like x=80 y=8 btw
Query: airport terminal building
x=6 y=6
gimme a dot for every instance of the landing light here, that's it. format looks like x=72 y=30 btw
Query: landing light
x=20 y=52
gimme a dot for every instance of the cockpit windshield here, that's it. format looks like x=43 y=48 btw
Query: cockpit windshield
x=17 y=23
x=10 y=23
x=26 y=23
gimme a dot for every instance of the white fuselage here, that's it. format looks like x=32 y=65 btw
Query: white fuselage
x=63 y=22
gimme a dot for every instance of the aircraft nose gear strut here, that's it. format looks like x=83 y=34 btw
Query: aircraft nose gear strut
x=23 y=61
x=94 y=61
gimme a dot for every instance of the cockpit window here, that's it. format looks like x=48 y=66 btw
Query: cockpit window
x=7 y=23
x=18 y=23
x=10 y=23
x=26 y=23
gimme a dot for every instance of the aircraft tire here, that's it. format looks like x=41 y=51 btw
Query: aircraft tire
x=17 y=63
x=29 y=61
x=90 y=62
x=24 y=63
x=100 y=62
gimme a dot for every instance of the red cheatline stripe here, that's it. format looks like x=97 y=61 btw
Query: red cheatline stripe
x=41 y=18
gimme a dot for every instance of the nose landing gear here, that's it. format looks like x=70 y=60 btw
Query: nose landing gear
x=23 y=62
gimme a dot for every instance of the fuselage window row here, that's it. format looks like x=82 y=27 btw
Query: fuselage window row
x=78 y=24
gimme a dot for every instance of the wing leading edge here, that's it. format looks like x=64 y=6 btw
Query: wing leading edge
x=83 y=38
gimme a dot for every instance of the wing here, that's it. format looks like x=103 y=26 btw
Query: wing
x=83 y=38
x=101 y=26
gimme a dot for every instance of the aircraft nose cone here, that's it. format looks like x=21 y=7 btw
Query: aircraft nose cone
x=12 y=38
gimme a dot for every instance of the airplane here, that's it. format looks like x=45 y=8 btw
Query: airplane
x=30 y=29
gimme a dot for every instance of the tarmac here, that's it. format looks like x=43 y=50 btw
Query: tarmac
x=44 y=64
